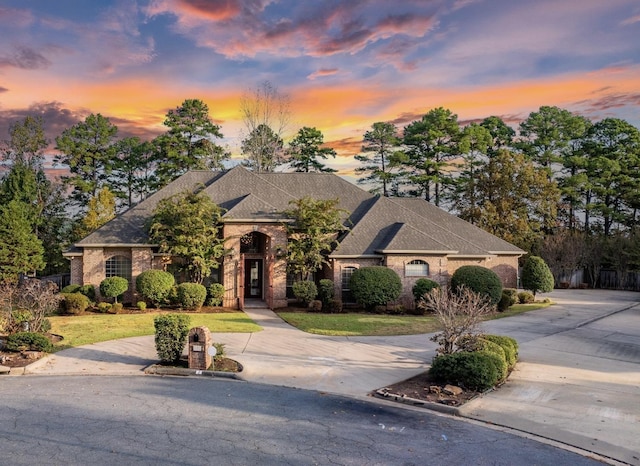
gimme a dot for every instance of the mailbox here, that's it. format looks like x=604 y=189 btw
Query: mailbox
x=199 y=343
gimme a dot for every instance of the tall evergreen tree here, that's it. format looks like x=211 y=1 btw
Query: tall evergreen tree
x=188 y=144
x=501 y=133
x=306 y=148
x=88 y=150
x=20 y=249
x=431 y=143
x=381 y=141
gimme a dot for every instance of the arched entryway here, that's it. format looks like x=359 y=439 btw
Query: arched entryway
x=253 y=248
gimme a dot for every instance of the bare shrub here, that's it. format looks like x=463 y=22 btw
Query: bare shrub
x=39 y=297
x=459 y=313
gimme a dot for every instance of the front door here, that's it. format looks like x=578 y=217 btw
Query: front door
x=253 y=278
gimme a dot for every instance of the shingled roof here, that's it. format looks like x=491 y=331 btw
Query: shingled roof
x=378 y=225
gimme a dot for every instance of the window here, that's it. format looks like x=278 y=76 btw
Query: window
x=345 y=277
x=118 y=266
x=416 y=268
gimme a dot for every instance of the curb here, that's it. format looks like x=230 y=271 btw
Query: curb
x=156 y=369
x=439 y=407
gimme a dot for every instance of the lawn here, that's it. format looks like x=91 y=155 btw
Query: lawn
x=360 y=324
x=92 y=328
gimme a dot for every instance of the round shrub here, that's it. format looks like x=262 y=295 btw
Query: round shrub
x=479 y=279
x=116 y=308
x=89 y=291
x=75 y=303
x=141 y=305
x=375 y=286
x=112 y=287
x=215 y=294
x=191 y=296
x=474 y=343
x=422 y=287
x=508 y=299
x=526 y=297
x=475 y=371
x=104 y=307
x=155 y=285
x=306 y=291
x=508 y=345
x=171 y=335
x=28 y=341
x=326 y=292
x=536 y=275
x=71 y=289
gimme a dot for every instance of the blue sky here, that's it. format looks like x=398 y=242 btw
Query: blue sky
x=345 y=64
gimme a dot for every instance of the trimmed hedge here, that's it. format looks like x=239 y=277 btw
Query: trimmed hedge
x=191 y=296
x=375 y=286
x=474 y=344
x=479 y=370
x=509 y=346
x=526 y=297
x=75 y=303
x=30 y=341
x=306 y=291
x=155 y=285
x=422 y=287
x=215 y=294
x=171 y=335
x=326 y=292
x=479 y=279
x=508 y=299
x=536 y=275
x=88 y=290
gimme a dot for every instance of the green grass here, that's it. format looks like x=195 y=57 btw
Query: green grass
x=519 y=309
x=360 y=324
x=93 y=328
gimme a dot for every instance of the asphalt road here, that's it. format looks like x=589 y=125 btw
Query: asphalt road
x=93 y=420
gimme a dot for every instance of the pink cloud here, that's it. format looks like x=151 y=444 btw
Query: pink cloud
x=322 y=72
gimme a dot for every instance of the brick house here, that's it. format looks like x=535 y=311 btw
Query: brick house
x=409 y=235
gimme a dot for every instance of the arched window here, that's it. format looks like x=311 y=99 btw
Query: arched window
x=416 y=268
x=118 y=266
x=345 y=277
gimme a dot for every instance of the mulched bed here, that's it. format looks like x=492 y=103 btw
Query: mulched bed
x=423 y=388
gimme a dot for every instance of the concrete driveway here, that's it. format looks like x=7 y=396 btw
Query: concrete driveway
x=577 y=382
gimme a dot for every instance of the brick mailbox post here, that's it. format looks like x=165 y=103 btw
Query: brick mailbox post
x=199 y=344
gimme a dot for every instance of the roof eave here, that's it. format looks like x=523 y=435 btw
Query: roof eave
x=416 y=251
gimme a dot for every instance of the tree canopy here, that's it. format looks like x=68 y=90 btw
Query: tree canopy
x=306 y=149
x=187 y=227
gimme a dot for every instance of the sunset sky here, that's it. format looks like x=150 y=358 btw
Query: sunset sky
x=344 y=63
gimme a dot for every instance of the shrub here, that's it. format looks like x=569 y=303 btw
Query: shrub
x=508 y=345
x=306 y=291
x=141 y=305
x=89 y=291
x=216 y=294
x=477 y=370
x=155 y=285
x=326 y=291
x=315 y=305
x=478 y=279
x=508 y=299
x=335 y=306
x=116 y=308
x=375 y=286
x=422 y=287
x=536 y=276
x=475 y=343
x=171 y=335
x=526 y=297
x=112 y=287
x=75 y=303
x=71 y=289
x=191 y=296
x=28 y=341
x=104 y=307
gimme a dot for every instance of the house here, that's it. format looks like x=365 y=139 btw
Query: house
x=409 y=235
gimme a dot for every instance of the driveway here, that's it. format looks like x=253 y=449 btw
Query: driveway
x=577 y=382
